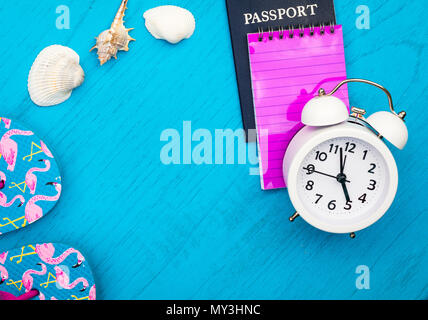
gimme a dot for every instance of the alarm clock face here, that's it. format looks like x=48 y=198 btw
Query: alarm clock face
x=344 y=184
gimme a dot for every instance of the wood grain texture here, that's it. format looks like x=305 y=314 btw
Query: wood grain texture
x=152 y=231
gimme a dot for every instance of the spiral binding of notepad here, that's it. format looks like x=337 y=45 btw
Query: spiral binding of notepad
x=290 y=31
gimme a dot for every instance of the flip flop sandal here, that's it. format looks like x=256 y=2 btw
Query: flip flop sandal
x=49 y=271
x=30 y=182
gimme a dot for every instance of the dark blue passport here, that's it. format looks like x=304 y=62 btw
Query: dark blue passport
x=248 y=16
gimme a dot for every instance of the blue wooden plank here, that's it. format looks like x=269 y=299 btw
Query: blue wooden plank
x=152 y=231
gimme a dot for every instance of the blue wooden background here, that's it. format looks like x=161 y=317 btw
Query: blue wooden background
x=152 y=231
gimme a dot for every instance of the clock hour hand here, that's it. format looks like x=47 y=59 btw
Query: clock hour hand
x=345 y=191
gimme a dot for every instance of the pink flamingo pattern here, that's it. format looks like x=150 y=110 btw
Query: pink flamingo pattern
x=3 y=197
x=44 y=281
x=2 y=180
x=31 y=178
x=43 y=297
x=45 y=149
x=64 y=281
x=27 y=279
x=3 y=257
x=7 y=122
x=92 y=293
x=33 y=212
x=5 y=204
x=46 y=252
x=4 y=275
x=9 y=148
x=24 y=164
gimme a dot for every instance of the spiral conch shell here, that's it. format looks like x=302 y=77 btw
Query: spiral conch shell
x=110 y=41
x=53 y=75
x=170 y=23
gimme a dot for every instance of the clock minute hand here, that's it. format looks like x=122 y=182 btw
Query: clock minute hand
x=342 y=161
x=312 y=170
x=341 y=178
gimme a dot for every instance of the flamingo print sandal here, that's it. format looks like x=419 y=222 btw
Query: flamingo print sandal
x=30 y=182
x=45 y=272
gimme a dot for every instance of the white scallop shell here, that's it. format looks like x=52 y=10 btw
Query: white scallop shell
x=53 y=75
x=170 y=23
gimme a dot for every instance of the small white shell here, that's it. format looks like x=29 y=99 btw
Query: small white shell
x=170 y=23
x=53 y=76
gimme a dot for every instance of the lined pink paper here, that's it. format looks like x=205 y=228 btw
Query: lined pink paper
x=286 y=73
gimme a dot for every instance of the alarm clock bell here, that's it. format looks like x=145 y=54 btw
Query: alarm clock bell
x=327 y=110
x=324 y=110
x=390 y=126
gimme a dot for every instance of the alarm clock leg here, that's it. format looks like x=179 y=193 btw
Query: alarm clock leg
x=293 y=217
x=352 y=235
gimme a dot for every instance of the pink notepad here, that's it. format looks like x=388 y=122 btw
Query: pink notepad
x=286 y=73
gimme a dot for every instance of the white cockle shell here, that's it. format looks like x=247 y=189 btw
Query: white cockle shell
x=170 y=23
x=53 y=75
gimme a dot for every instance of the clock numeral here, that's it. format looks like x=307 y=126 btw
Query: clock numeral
x=371 y=170
x=363 y=198
x=309 y=185
x=332 y=205
x=348 y=205
x=372 y=185
x=319 y=198
x=310 y=168
x=349 y=147
x=322 y=156
x=365 y=154
x=334 y=147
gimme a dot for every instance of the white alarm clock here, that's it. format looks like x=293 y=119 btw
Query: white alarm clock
x=340 y=175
